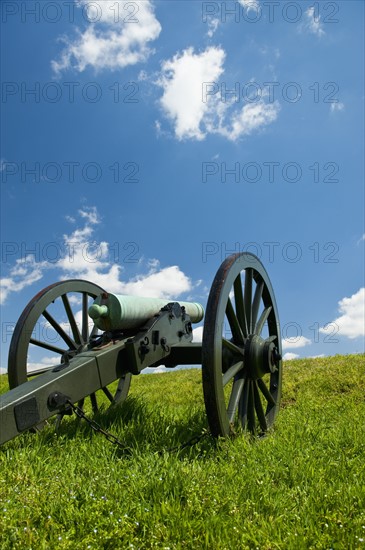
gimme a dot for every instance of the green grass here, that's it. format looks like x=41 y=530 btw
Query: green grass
x=302 y=486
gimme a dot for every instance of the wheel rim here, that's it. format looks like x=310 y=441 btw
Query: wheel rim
x=241 y=350
x=53 y=323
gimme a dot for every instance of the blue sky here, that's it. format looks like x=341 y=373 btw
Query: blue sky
x=141 y=142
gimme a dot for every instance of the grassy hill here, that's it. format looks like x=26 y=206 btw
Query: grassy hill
x=302 y=486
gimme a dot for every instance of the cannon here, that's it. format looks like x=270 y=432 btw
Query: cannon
x=109 y=338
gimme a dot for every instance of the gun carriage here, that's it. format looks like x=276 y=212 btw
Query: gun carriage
x=114 y=337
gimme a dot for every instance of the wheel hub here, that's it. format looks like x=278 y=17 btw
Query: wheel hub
x=261 y=357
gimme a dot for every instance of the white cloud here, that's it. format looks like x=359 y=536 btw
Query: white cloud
x=166 y=283
x=337 y=107
x=89 y=260
x=142 y=76
x=212 y=26
x=156 y=370
x=153 y=264
x=250 y=118
x=159 y=370
x=313 y=23
x=295 y=342
x=193 y=102
x=250 y=5
x=352 y=321
x=182 y=79
x=118 y=37
x=25 y=272
x=198 y=334
x=43 y=363
x=75 y=300
x=84 y=258
x=90 y=214
x=289 y=356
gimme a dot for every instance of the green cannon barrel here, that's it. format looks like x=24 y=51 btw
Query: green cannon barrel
x=118 y=312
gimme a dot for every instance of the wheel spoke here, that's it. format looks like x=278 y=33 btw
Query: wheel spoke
x=122 y=388
x=258 y=407
x=231 y=372
x=240 y=308
x=247 y=298
x=65 y=337
x=49 y=347
x=108 y=394
x=235 y=397
x=94 y=402
x=232 y=347
x=71 y=319
x=251 y=421
x=256 y=303
x=59 y=418
x=94 y=331
x=242 y=411
x=263 y=318
x=265 y=391
x=233 y=323
x=85 y=318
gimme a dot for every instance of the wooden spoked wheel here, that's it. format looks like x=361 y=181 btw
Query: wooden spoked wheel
x=56 y=324
x=241 y=350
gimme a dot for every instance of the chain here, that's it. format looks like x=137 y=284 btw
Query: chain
x=115 y=441
x=97 y=428
x=190 y=443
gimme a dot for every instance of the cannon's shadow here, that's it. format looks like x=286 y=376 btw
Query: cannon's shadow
x=139 y=430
